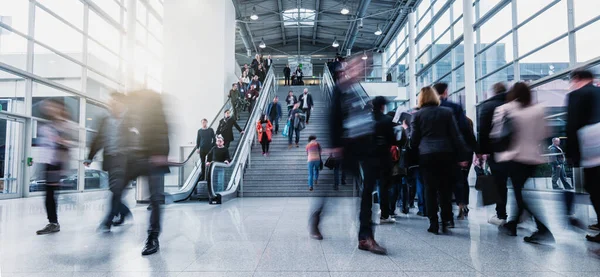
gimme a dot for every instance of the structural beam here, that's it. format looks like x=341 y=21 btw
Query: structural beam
x=280 y=8
x=364 y=5
x=317 y=8
x=243 y=27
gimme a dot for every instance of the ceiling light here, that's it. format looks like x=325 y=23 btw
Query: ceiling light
x=335 y=43
x=345 y=10
x=262 y=44
x=254 y=16
x=364 y=57
x=360 y=23
x=378 y=32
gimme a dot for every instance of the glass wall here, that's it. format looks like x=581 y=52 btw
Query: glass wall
x=77 y=52
x=513 y=41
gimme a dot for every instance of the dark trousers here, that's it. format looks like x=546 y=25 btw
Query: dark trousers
x=50 y=203
x=288 y=82
x=292 y=131
x=461 y=190
x=142 y=167
x=372 y=172
x=265 y=145
x=275 y=122
x=439 y=180
x=307 y=111
x=203 y=153
x=592 y=177
x=116 y=179
x=500 y=174
x=385 y=193
x=558 y=172
x=399 y=191
x=519 y=173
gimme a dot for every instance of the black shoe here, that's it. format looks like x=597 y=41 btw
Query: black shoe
x=543 y=237
x=595 y=227
x=405 y=211
x=151 y=246
x=575 y=222
x=50 y=228
x=121 y=220
x=510 y=228
x=420 y=214
x=315 y=233
x=104 y=228
x=435 y=229
x=595 y=238
x=557 y=188
x=449 y=224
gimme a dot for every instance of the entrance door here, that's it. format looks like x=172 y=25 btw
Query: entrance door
x=12 y=139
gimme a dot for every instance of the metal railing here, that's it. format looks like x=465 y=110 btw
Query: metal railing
x=225 y=180
x=187 y=172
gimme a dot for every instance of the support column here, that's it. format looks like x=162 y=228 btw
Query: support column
x=129 y=46
x=412 y=55
x=469 y=45
x=199 y=63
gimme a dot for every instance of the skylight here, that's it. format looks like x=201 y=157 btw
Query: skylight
x=299 y=18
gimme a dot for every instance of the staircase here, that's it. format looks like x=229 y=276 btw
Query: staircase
x=284 y=172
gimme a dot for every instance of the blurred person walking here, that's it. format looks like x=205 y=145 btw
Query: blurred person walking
x=357 y=133
x=274 y=113
x=499 y=169
x=111 y=138
x=55 y=138
x=148 y=140
x=264 y=131
x=205 y=141
x=441 y=147
x=234 y=97
x=226 y=128
x=583 y=118
x=527 y=127
x=251 y=97
x=558 y=165
x=313 y=151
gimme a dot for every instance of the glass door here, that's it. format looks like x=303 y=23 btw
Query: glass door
x=11 y=156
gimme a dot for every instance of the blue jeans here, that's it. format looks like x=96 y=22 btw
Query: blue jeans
x=415 y=175
x=291 y=135
x=313 y=172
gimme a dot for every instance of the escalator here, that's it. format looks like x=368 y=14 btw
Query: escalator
x=185 y=176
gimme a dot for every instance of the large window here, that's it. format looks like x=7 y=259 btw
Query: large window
x=73 y=51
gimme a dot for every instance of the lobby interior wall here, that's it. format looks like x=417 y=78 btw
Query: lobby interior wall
x=199 y=58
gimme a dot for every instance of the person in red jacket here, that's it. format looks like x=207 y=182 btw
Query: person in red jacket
x=264 y=130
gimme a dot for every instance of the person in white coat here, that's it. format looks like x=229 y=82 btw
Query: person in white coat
x=523 y=154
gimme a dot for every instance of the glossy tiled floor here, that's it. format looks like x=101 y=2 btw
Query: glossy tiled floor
x=267 y=237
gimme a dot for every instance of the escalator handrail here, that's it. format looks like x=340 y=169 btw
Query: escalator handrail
x=181 y=164
x=245 y=143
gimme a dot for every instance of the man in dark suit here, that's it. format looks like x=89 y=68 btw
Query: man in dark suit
x=225 y=128
x=486 y=114
x=287 y=71
x=558 y=165
x=584 y=110
x=268 y=62
x=110 y=138
x=306 y=103
x=148 y=151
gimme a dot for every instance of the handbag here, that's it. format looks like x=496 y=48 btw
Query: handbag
x=486 y=185
x=502 y=133
x=330 y=162
x=286 y=129
x=589 y=145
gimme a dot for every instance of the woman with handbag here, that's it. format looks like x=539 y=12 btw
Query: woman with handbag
x=518 y=128
x=441 y=146
x=313 y=151
x=264 y=130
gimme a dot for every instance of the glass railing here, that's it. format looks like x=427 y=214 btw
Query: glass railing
x=224 y=180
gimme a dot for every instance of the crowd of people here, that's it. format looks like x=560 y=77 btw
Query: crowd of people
x=429 y=152
x=426 y=154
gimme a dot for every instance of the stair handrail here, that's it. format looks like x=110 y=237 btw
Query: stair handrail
x=242 y=154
